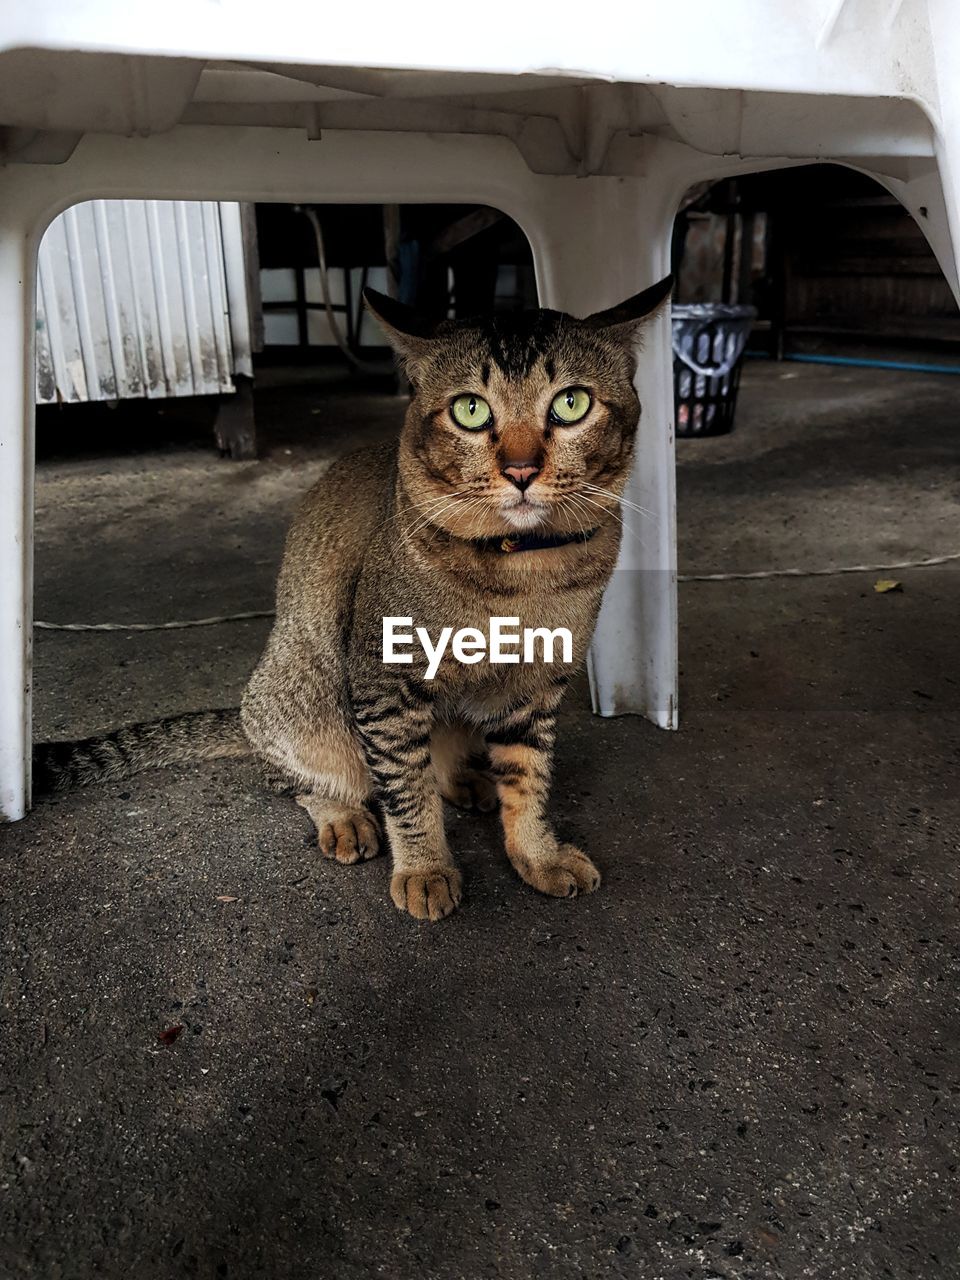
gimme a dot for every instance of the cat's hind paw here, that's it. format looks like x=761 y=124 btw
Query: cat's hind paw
x=564 y=874
x=472 y=789
x=343 y=833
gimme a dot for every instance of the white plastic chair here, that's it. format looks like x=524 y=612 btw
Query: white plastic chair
x=585 y=125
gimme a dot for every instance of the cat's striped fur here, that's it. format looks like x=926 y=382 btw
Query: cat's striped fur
x=199 y=735
x=410 y=530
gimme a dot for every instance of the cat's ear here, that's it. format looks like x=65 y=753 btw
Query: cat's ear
x=408 y=332
x=625 y=320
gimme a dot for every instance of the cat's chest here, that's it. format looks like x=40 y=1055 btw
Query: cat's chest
x=541 y=608
x=494 y=635
x=499 y=659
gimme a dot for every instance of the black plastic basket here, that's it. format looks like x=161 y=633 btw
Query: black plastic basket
x=708 y=344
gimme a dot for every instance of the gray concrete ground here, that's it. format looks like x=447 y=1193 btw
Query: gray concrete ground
x=738 y=1059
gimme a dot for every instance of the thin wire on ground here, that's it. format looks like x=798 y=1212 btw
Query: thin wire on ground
x=681 y=577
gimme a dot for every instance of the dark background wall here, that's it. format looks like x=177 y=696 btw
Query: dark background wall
x=828 y=258
x=825 y=254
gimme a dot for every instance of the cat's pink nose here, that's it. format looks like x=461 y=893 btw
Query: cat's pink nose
x=521 y=474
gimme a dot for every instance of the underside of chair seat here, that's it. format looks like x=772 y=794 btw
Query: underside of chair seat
x=561 y=124
x=587 y=135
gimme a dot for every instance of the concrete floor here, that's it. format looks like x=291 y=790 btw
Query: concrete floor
x=738 y=1059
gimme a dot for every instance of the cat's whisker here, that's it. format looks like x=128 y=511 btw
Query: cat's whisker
x=579 y=504
x=470 y=504
x=641 y=511
x=562 y=507
x=438 y=499
x=478 y=511
x=598 y=506
x=612 y=511
x=425 y=514
x=582 y=497
x=420 y=514
x=577 y=511
x=626 y=502
x=431 y=521
x=436 y=509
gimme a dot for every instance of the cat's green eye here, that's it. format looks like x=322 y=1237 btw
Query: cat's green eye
x=570 y=406
x=471 y=412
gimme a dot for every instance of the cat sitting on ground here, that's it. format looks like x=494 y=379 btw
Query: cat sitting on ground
x=500 y=499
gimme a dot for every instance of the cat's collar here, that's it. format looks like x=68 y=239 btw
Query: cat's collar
x=512 y=543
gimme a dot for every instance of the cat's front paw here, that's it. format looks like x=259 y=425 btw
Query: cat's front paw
x=429 y=894
x=565 y=873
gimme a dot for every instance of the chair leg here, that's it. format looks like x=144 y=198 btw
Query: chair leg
x=17 y=289
x=595 y=243
x=944 y=233
x=941 y=221
x=235 y=428
x=924 y=197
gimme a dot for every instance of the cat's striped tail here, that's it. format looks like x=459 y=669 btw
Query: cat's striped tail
x=198 y=735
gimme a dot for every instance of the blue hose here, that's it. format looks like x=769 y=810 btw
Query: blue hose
x=864 y=362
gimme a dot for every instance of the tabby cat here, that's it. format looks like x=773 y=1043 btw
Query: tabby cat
x=501 y=498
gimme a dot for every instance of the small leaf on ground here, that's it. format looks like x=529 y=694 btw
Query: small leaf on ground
x=883 y=585
x=169 y=1034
